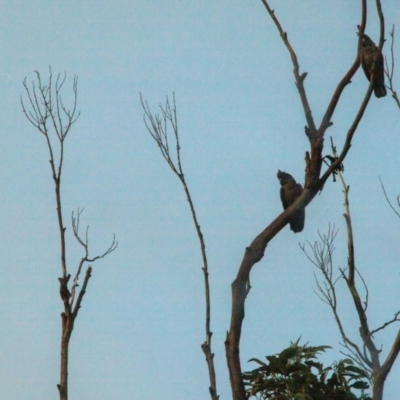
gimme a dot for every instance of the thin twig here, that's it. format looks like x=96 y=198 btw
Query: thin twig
x=85 y=258
x=383 y=326
x=387 y=198
x=389 y=71
x=322 y=258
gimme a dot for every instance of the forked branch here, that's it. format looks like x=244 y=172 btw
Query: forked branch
x=369 y=356
x=85 y=259
x=314 y=182
x=321 y=255
x=49 y=114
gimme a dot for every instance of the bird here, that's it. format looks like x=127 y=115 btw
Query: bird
x=290 y=191
x=368 y=54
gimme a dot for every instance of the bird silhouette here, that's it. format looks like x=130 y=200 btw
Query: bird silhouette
x=290 y=191
x=368 y=54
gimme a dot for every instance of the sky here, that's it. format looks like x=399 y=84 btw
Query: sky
x=141 y=325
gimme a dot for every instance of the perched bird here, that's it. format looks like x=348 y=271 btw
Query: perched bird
x=368 y=52
x=290 y=191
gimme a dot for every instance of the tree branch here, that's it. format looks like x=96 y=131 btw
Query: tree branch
x=157 y=126
x=389 y=71
x=47 y=114
x=296 y=71
x=313 y=184
x=322 y=258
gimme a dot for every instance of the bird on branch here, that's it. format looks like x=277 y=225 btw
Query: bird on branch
x=369 y=54
x=290 y=191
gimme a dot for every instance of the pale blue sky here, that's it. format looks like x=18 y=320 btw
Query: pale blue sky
x=139 y=331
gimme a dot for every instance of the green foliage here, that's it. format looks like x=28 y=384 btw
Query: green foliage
x=296 y=374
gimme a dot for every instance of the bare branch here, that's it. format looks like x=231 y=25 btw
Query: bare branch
x=391 y=358
x=157 y=126
x=364 y=329
x=360 y=113
x=322 y=258
x=383 y=326
x=365 y=288
x=389 y=71
x=299 y=78
x=350 y=133
x=41 y=102
x=82 y=292
x=387 y=198
x=85 y=244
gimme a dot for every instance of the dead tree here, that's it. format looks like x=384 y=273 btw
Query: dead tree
x=315 y=179
x=50 y=116
x=314 y=183
x=368 y=354
x=158 y=125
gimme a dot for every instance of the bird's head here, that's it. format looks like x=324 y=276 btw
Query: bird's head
x=284 y=177
x=365 y=40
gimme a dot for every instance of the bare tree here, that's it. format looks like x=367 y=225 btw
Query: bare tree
x=314 y=183
x=368 y=354
x=51 y=117
x=158 y=125
x=315 y=178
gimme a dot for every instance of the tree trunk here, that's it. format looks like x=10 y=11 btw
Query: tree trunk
x=378 y=385
x=66 y=335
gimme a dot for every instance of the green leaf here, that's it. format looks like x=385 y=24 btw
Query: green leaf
x=360 y=385
x=357 y=370
x=288 y=353
x=347 y=361
x=318 y=349
x=258 y=361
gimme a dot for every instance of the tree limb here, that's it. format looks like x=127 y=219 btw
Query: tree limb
x=157 y=126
